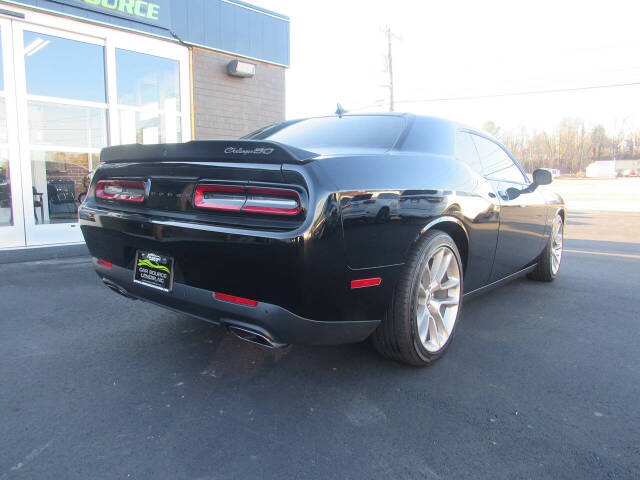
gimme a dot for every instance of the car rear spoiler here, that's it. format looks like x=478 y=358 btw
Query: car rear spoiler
x=250 y=151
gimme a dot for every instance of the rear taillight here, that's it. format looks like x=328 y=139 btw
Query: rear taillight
x=277 y=201
x=219 y=197
x=124 y=190
x=274 y=201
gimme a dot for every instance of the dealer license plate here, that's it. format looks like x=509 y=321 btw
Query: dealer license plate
x=153 y=270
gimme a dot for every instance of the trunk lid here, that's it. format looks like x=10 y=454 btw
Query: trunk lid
x=244 y=151
x=172 y=175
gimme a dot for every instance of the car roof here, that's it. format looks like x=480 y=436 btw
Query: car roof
x=453 y=123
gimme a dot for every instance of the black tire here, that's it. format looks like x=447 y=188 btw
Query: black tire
x=383 y=215
x=396 y=337
x=544 y=271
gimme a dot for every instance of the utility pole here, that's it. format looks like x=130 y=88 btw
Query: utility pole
x=389 y=59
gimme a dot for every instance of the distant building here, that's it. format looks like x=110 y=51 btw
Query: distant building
x=610 y=168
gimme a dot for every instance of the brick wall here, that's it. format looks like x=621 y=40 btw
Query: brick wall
x=229 y=107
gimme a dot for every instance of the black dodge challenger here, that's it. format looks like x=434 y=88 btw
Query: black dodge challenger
x=324 y=230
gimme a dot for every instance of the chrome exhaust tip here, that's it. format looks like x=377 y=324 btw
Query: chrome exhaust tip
x=253 y=336
x=118 y=289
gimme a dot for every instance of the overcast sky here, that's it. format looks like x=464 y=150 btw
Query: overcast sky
x=467 y=48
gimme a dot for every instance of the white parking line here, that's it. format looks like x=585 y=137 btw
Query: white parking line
x=607 y=254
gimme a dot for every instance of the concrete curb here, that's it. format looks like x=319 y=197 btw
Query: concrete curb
x=17 y=255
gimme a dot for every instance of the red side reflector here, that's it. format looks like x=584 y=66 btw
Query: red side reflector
x=366 y=282
x=233 y=299
x=125 y=190
x=105 y=263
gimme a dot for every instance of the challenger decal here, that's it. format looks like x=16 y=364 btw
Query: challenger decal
x=247 y=151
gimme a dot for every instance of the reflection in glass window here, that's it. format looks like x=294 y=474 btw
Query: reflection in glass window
x=375 y=132
x=67 y=125
x=6 y=212
x=60 y=182
x=1 y=67
x=149 y=127
x=466 y=151
x=59 y=67
x=3 y=121
x=496 y=164
x=147 y=81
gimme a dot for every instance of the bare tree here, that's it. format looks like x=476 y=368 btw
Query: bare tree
x=569 y=147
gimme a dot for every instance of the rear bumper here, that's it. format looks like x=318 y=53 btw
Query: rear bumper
x=273 y=322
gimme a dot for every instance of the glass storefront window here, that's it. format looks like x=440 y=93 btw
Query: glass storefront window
x=63 y=68
x=149 y=127
x=65 y=136
x=147 y=81
x=1 y=66
x=61 y=102
x=6 y=212
x=3 y=120
x=67 y=125
x=60 y=182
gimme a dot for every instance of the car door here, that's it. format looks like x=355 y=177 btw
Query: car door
x=483 y=222
x=522 y=212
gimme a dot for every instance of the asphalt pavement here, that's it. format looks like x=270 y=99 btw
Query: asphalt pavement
x=541 y=381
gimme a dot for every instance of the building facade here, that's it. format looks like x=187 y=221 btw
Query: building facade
x=78 y=75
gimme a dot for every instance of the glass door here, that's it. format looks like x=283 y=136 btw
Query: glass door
x=148 y=90
x=11 y=211
x=68 y=89
x=62 y=112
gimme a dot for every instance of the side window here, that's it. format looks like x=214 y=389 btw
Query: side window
x=496 y=164
x=466 y=151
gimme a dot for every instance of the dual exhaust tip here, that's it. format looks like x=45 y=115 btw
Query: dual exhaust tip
x=243 y=333
x=118 y=289
x=253 y=336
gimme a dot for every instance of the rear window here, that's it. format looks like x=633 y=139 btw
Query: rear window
x=370 y=132
x=366 y=196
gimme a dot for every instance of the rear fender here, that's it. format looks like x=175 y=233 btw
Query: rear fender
x=455 y=228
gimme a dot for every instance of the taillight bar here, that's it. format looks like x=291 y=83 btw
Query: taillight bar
x=274 y=201
x=124 y=190
x=219 y=197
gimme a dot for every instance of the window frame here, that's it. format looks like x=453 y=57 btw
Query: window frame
x=455 y=150
x=525 y=178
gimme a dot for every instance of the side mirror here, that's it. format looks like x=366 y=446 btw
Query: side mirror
x=542 y=177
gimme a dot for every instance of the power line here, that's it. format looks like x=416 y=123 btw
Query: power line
x=514 y=94
x=506 y=94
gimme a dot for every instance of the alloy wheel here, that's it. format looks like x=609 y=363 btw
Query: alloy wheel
x=438 y=299
x=556 y=244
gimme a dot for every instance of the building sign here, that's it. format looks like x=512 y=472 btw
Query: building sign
x=153 y=12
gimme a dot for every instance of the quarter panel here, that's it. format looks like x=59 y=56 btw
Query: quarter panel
x=426 y=187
